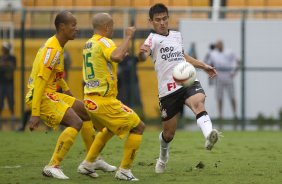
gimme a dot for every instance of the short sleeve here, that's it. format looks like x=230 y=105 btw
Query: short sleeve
x=149 y=42
x=107 y=46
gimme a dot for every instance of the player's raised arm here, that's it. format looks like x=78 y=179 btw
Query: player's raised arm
x=120 y=52
x=211 y=71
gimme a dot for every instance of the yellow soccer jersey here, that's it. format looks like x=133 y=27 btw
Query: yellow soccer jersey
x=48 y=64
x=99 y=71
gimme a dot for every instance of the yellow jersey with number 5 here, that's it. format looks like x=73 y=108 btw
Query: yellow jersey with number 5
x=99 y=71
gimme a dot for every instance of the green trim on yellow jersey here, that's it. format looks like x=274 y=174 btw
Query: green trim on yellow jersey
x=107 y=89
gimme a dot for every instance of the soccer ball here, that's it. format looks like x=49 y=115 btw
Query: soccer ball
x=184 y=74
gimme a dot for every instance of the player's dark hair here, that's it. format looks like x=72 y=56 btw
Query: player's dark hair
x=61 y=18
x=157 y=8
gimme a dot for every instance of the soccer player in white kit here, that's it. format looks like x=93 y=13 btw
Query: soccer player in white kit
x=166 y=49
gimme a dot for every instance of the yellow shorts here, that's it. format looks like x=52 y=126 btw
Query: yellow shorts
x=53 y=108
x=111 y=113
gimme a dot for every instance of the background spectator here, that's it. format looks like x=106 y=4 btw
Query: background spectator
x=226 y=63
x=67 y=64
x=206 y=60
x=7 y=68
x=192 y=50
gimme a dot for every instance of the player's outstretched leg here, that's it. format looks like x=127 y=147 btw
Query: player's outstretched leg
x=211 y=135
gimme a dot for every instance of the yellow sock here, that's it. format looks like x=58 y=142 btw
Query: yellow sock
x=88 y=134
x=131 y=147
x=64 y=142
x=98 y=144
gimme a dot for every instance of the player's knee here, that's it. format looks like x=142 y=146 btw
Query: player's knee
x=168 y=135
x=142 y=126
x=139 y=129
x=198 y=107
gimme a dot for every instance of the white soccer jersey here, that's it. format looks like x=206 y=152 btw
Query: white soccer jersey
x=166 y=52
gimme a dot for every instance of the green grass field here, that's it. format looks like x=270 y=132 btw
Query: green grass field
x=240 y=157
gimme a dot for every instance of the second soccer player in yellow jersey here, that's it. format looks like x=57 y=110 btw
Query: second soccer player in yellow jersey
x=100 y=59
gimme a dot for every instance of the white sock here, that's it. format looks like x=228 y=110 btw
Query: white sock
x=164 y=149
x=204 y=122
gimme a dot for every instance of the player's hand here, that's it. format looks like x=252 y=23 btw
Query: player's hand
x=211 y=71
x=34 y=122
x=144 y=48
x=129 y=32
x=144 y=52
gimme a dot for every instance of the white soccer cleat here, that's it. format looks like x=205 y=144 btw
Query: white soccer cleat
x=124 y=174
x=212 y=139
x=100 y=164
x=160 y=166
x=87 y=169
x=54 y=171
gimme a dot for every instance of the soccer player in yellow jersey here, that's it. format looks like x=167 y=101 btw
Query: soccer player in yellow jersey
x=109 y=115
x=55 y=108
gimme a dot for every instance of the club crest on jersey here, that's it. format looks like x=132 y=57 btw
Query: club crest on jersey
x=163 y=113
x=90 y=105
x=53 y=97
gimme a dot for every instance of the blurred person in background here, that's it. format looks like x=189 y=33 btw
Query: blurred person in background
x=67 y=64
x=7 y=68
x=226 y=63
x=192 y=50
